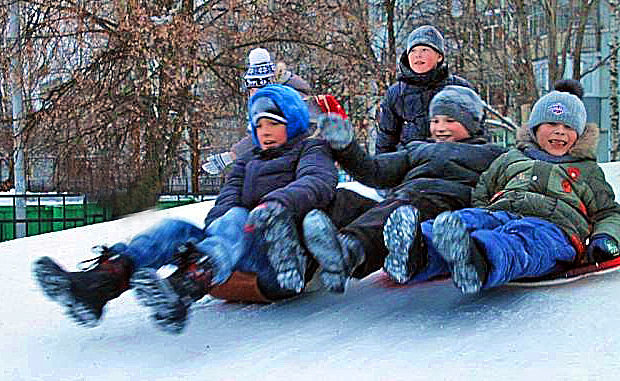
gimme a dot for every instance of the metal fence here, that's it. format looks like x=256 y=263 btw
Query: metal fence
x=48 y=212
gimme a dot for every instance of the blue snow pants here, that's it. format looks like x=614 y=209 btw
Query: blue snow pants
x=514 y=246
x=224 y=241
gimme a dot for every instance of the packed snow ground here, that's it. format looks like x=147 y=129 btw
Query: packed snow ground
x=372 y=332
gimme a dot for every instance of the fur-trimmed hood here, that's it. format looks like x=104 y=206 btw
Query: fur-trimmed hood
x=584 y=148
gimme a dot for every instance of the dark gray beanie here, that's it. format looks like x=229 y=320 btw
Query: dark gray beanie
x=462 y=104
x=426 y=35
x=559 y=107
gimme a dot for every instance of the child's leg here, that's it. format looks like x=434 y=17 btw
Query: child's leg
x=206 y=263
x=436 y=265
x=255 y=260
x=451 y=239
x=157 y=246
x=224 y=242
x=85 y=293
x=524 y=247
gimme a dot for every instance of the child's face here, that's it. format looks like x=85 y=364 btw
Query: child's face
x=270 y=133
x=446 y=129
x=555 y=138
x=423 y=59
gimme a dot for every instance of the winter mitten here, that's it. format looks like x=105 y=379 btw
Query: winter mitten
x=217 y=163
x=329 y=104
x=258 y=217
x=602 y=248
x=337 y=131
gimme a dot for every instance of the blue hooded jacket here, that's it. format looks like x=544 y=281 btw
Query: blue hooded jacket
x=299 y=174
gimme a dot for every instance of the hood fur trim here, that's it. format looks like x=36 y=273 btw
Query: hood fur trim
x=585 y=146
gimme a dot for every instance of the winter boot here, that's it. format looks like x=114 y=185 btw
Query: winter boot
x=402 y=235
x=170 y=298
x=84 y=293
x=337 y=254
x=468 y=266
x=284 y=251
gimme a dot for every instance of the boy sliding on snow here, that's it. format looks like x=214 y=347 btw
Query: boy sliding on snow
x=536 y=207
x=249 y=249
x=434 y=176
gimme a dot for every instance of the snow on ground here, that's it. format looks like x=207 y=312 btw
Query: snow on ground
x=372 y=332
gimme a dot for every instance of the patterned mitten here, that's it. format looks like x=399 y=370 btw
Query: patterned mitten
x=217 y=163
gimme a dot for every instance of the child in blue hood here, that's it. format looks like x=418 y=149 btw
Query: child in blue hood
x=249 y=249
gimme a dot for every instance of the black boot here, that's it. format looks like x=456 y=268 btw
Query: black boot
x=402 y=234
x=84 y=293
x=170 y=298
x=468 y=265
x=337 y=254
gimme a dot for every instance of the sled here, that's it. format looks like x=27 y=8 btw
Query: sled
x=569 y=275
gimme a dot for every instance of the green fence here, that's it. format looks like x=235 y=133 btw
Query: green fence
x=49 y=212
x=166 y=201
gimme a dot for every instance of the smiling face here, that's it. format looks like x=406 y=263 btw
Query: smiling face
x=447 y=129
x=555 y=138
x=270 y=133
x=423 y=59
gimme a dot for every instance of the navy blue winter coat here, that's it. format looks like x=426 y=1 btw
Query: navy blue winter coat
x=404 y=108
x=300 y=174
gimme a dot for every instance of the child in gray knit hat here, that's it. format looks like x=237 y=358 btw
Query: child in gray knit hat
x=540 y=208
x=429 y=176
x=422 y=73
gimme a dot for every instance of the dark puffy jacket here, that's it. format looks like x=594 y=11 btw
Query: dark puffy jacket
x=404 y=108
x=300 y=174
x=448 y=171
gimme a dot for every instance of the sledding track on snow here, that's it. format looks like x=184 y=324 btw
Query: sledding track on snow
x=372 y=332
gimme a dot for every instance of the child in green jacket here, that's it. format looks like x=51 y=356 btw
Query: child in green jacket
x=541 y=205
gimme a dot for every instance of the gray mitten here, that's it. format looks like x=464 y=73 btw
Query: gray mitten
x=337 y=131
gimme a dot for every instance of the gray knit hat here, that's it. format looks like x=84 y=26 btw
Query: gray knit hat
x=426 y=35
x=462 y=104
x=559 y=107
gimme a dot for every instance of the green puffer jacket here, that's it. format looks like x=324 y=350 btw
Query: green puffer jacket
x=571 y=192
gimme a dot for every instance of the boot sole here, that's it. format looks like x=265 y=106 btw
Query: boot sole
x=398 y=236
x=289 y=267
x=157 y=295
x=56 y=285
x=320 y=237
x=452 y=241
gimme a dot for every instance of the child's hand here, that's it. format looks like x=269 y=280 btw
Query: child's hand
x=263 y=214
x=217 y=163
x=337 y=131
x=602 y=248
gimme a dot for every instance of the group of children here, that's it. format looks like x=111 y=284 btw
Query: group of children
x=456 y=204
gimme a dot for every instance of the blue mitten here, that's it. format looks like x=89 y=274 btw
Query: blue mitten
x=337 y=131
x=602 y=248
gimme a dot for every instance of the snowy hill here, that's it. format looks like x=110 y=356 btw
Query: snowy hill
x=372 y=332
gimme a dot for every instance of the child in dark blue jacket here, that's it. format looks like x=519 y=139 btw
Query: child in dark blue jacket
x=249 y=249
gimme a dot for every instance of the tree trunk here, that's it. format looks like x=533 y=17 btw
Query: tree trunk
x=550 y=7
x=391 y=56
x=584 y=11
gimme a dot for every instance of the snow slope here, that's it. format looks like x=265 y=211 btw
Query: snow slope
x=372 y=332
